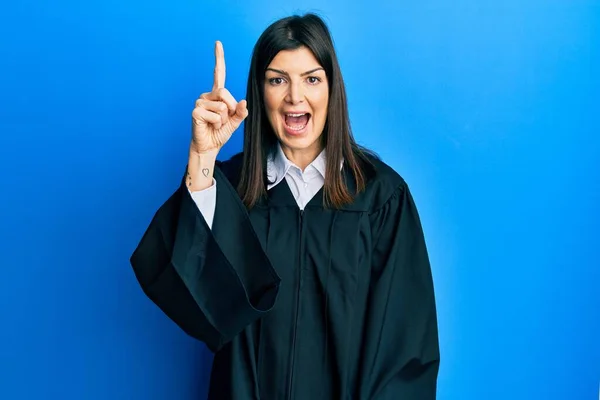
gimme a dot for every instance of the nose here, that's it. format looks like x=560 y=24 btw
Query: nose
x=295 y=93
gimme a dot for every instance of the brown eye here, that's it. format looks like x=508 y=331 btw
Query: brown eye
x=276 y=81
x=313 y=80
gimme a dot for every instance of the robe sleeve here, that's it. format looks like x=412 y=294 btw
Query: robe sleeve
x=401 y=351
x=211 y=283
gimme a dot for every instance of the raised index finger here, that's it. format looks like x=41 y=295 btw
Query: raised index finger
x=219 y=80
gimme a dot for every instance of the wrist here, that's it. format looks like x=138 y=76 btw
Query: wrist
x=199 y=175
x=205 y=154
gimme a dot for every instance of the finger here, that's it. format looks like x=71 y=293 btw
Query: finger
x=203 y=115
x=219 y=74
x=224 y=96
x=214 y=106
x=218 y=107
x=241 y=112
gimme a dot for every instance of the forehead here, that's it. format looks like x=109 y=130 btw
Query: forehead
x=295 y=61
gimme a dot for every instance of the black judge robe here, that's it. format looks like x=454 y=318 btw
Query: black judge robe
x=304 y=305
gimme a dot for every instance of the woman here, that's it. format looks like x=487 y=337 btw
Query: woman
x=301 y=261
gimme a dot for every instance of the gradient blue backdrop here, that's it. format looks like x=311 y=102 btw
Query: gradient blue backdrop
x=489 y=109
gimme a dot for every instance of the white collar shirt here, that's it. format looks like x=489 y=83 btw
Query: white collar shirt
x=304 y=185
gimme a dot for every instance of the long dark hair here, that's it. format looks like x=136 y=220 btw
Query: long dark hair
x=260 y=141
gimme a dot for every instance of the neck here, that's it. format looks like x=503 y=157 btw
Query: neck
x=302 y=157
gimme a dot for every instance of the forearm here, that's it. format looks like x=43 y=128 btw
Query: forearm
x=200 y=172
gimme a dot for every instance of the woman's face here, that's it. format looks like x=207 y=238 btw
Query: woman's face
x=296 y=99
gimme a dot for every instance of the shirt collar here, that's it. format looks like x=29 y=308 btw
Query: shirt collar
x=279 y=165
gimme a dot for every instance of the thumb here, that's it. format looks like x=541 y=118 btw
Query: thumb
x=241 y=112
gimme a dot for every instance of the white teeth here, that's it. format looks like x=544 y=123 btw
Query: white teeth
x=295 y=115
x=296 y=128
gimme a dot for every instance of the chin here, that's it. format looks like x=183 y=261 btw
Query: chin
x=299 y=143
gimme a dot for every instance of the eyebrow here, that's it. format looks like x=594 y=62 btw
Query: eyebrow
x=302 y=74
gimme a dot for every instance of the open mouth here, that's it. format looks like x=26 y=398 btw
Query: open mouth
x=296 y=121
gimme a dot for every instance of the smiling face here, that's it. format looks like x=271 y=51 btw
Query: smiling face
x=296 y=96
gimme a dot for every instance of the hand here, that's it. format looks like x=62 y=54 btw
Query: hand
x=217 y=115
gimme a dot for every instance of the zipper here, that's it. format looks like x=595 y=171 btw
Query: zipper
x=293 y=356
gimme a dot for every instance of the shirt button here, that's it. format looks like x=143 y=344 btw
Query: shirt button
x=305 y=185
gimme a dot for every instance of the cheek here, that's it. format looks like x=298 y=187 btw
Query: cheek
x=272 y=99
x=321 y=102
x=271 y=106
x=268 y=102
x=322 y=96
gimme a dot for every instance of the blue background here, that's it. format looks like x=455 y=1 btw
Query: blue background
x=489 y=109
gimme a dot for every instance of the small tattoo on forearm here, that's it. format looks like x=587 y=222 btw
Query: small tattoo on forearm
x=205 y=172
